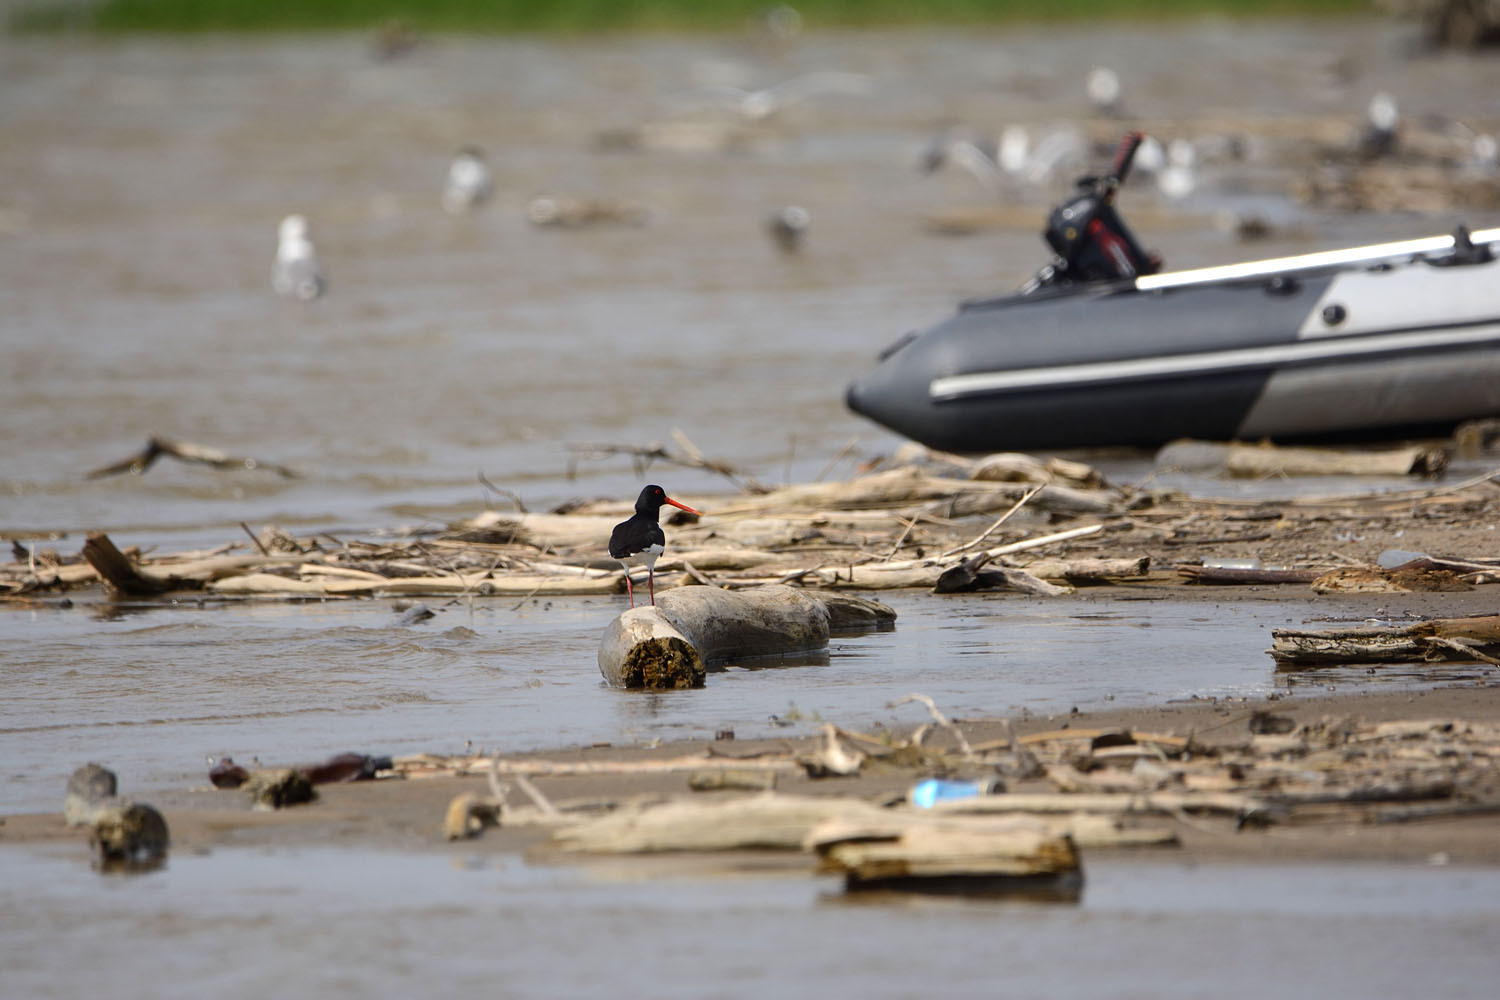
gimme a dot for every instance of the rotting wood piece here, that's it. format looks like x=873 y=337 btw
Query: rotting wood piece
x=955 y=857
x=970 y=575
x=121 y=574
x=767 y=821
x=1086 y=570
x=641 y=649
x=669 y=644
x=435 y=765
x=850 y=614
x=904 y=486
x=1246 y=574
x=1476 y=637
x=1403 y=580
x=445 y=585
x=1259 y=461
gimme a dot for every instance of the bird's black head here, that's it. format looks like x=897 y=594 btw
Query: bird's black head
x=651 y=498
x=650 y=502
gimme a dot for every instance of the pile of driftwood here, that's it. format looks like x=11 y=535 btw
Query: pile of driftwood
x=1019 y=811
x=898 y=528
x=936 y=522
x=1465 y=639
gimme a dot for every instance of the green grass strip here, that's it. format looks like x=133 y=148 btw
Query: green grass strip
x=597 y=16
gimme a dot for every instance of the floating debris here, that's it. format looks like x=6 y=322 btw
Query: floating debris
x=565 y=212
x=128 y=836
x=277 y=789
x=88 y=787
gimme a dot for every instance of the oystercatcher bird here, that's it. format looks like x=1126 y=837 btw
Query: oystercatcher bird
x=638 y=540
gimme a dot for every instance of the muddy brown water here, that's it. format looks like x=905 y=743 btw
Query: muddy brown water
x=141 y=182
x=352 y=923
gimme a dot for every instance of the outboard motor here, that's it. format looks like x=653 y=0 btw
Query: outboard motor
x=1091 y=241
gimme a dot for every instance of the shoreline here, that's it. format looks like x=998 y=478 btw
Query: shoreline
x=406 y=815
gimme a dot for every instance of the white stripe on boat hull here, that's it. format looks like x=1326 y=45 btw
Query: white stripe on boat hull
x=1209 y=362
x=1308 y=261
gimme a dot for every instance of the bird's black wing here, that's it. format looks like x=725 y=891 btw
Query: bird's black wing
x=617 y=541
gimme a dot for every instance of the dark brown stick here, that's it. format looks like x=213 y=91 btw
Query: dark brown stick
x=119 y=571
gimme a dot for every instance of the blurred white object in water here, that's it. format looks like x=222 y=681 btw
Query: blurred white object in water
x=1178 y=178
x=469 y=184
x=1060 y=155
x=1381 y=119
x=1103 y=88
x=759 y=105
x=1173 y=167
x=1014 y=149
x=295 y=273
x=788 y=227
x=1150 y=156
x=1484 y=154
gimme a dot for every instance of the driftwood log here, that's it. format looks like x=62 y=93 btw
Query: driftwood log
x=1471 y=639
x=1017 y=857
x=1246 y=574
x=775 y=821
x=1258 y=461
x=971 y=575
x=121 y=574
x=1090 y=569
x=768 y=821
x=669 y=644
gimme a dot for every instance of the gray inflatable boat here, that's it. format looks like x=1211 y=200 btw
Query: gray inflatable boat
x=1384 y=339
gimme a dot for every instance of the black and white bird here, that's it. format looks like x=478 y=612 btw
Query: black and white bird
x=638 y=540
x=469 y=183
x=295 y=273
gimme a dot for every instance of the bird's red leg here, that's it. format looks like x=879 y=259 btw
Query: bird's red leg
x=651 y=582
x=628 y=589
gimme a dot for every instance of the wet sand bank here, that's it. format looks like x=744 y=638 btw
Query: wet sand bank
x=407 y=814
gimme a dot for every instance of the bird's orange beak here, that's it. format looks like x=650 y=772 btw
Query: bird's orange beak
x=681 y=506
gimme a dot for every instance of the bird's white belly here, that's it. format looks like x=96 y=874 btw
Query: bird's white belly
x=647 y=557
